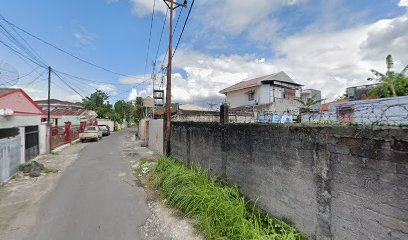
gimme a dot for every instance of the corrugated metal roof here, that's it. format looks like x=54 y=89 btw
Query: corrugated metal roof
x=71 y=112
x=56 y=101
x=280 y=76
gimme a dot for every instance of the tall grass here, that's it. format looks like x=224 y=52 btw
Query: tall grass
x=219 y=211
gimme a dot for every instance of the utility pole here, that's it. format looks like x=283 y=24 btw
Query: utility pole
x=49 y=107
x=172 y=6
x=49 y=96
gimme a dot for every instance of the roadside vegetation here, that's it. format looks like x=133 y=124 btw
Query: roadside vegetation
x=218 y=211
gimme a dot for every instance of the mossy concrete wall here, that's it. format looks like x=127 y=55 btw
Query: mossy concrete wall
x=331 y=182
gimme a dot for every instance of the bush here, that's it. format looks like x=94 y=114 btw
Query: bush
x=219 y=211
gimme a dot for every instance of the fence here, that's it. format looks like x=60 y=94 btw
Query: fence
x=386 y=111
x=64 y=135
x=331 y=182
x=10 y=150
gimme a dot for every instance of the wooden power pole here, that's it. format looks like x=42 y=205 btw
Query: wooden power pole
x=172 y=5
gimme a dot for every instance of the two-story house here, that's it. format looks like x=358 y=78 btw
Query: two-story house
x=274 y=93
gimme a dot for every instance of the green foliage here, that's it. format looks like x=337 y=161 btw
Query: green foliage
x=49 y=170
x=119 y=112
x=392 y=83
x=95 y=101
x=219 y=211
x=309 y=102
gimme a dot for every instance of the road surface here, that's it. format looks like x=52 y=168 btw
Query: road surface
x=95 y=198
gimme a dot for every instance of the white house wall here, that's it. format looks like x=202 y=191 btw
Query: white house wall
x=19 y=121
x=240 y=97
x=264 y=95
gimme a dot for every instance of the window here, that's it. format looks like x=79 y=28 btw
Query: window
x=251 y=96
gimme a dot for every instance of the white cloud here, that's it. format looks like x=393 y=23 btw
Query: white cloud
x=106 y=88
x=233 y=17
x=133 y=95
x=403 y=3
x=83 y=36
x=329 y=61
x=131 y=79
x=143 y=7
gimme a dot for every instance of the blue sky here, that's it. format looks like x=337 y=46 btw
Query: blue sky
x=327 y=45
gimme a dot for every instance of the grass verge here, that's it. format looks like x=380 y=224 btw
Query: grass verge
x=218 y=211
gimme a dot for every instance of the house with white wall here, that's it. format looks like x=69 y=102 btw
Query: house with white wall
x=275 y=93
x=22 y=135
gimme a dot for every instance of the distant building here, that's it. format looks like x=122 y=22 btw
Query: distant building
x=66 y=112
x=360 y=92
x=274 y=93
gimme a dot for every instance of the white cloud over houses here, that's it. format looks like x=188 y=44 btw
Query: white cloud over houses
x=109 y=88
x=132 y=95
x=329 y=61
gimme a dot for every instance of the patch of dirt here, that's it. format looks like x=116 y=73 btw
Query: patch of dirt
x=164 y=223
x=19 y=196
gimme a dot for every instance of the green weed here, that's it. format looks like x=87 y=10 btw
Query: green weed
x=49 y=170
x=219 y=211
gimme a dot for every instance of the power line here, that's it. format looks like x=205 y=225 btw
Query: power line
x=13 y=40
x=25 y=75
x=12 y=49
x=40 y=75
x=150 y=36
x=184 y=26
x=161 y=35
x=174 y=30
x=69 y=86
x=29 y=49
x=62 y=50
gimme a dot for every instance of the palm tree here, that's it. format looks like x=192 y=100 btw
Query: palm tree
x=390 y=78
x=309 y=102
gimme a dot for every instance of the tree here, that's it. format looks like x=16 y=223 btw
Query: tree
x=306 y=105
x=392 y=83
x=96 y=100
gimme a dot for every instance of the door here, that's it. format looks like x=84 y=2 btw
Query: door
x=32 y=148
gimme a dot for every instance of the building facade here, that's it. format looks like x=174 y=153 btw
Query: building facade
x=275 y=93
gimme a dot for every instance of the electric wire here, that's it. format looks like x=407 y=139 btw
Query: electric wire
x=184 y=26
x=62 y=50
x=35 y=79
x=161 y=35
x=27 y=48
x=18 y=44
x=69 y=86
x=12 y=49
x=150 y=36
x=174 y=30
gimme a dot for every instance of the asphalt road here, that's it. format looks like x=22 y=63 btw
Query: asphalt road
x=95 y=198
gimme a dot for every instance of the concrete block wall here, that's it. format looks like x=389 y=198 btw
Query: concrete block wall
x=155 y=132
x=330 y=182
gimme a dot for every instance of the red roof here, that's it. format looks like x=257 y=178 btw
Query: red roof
x=325 y=107
x=69 y=112
x=19 y=102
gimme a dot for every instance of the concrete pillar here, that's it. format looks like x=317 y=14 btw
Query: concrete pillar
x=22 y=138
x=43 y=136
x=67 y=132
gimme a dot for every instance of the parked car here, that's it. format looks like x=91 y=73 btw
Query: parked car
x=105 y=130
x=91 y=133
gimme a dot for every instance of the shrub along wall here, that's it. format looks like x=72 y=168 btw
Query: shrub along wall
x=331 y=182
